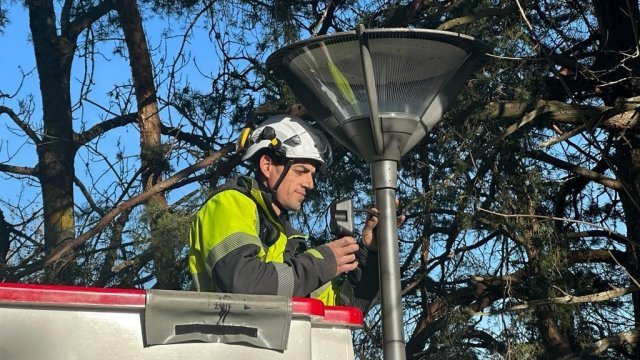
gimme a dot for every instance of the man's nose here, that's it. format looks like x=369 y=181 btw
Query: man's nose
x=308 y=181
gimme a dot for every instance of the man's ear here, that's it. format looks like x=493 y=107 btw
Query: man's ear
x=264 y=164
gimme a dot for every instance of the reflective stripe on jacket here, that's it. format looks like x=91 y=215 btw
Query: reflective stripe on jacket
x=231 y=250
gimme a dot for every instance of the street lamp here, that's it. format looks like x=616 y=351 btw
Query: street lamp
x=379 y=92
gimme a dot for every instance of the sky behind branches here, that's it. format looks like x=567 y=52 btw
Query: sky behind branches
x=105 y=71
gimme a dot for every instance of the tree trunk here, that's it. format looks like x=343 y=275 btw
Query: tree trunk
x=628 y=164
x=618 y=20
x=152 y=153
x=5 y=238
x=56 y=150
x=142 y=73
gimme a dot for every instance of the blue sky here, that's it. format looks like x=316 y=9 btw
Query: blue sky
x=110 y=71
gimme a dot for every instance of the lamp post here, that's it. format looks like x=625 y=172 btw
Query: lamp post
x=379 y=92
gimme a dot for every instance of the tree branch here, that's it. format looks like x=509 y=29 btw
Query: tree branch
x=577 y=170
x=597 y=348
x=87 y=196
x=58 y=253
x=324 y=22
x=524 y=120
x=23 y=125
x=468 y=19
x=598 y=233
x=553 y=218
x=101 y=128
x=486 y=340
x=19 y=170
x=193 y=139
x=87 y=18
x=625 y=118
x=65 y=14
x=566 y=300
x=472 y=299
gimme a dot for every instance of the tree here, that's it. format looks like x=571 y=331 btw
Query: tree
x=532 y=212
x=152 y=155
x=58 y=144
x=522 y=205
x=104 y=242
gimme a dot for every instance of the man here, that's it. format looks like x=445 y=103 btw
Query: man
x=242 y=241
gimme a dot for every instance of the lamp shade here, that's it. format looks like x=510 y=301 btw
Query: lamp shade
x=416 y=75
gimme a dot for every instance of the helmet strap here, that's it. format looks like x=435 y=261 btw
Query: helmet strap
x=285 y=170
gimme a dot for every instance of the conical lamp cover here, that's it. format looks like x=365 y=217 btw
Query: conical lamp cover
x=417 y=74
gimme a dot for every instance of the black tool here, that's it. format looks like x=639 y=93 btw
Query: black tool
x=341 y=218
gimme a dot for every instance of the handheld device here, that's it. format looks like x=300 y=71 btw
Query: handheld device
x=341 y=218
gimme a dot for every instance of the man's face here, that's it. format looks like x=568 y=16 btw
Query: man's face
x=296 y=184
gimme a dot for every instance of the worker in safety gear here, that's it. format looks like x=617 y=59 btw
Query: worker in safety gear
x=241 y=240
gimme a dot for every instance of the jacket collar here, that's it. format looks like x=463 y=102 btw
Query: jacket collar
x=266 y=198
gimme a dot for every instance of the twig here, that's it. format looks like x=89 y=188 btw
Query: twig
x=553 y=218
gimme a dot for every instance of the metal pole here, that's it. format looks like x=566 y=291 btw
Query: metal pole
x=385 y=177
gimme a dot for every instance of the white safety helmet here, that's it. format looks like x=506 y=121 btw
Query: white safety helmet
x=288 y=136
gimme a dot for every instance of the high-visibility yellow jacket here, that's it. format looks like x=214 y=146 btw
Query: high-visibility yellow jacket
x=238 y=245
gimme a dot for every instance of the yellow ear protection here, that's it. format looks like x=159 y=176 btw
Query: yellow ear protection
x=243 y=139
x=268 y=133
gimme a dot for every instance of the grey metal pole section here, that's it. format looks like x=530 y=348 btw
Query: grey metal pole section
x=385 y=178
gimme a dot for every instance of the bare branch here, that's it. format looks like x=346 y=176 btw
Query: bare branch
x=609 y=118
x=23 y=125
x=101 y=128
x=59 y=252
x=567 y=300
x=65 y=14
x=19 y=87
x=87 y=18
x=526 y=119
x=19 y=170
x=193 y=139
x=596 y=233
x=597 y=348
x=87 y=196
x=578 y=170
x=322 y=24
x=468 y=19
x=563 y=136
x=554 y=218
x=143 y=258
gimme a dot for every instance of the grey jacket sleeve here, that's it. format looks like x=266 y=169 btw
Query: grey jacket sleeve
x=241 y=271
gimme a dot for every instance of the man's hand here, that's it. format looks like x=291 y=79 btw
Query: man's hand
x=369 y=230
x=344 y=250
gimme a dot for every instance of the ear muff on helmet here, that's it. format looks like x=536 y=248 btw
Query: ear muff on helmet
x=243 y=140
x=268 y=133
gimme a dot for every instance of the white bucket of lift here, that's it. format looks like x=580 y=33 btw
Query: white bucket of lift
x=65 y=322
